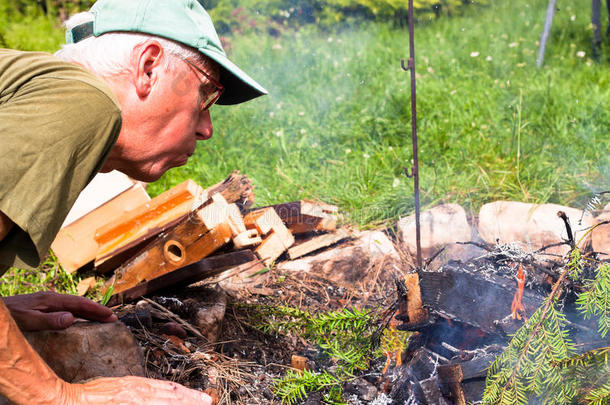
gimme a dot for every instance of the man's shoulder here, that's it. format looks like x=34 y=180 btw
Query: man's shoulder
x=19 y=68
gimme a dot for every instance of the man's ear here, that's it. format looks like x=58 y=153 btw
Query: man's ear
x=148 y=62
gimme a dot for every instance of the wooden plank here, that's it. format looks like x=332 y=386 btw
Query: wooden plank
x=276 y=237
x=170 y=251
x=307 y=216
x=317 y=242
x=194 y=272
x=75 y=245
x=148 y=220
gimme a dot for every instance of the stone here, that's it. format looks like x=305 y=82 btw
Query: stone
x=88 y=349
x=532 y=225
x=208 y=312
x=439 y=226
x=372 y=255
x=600 y=236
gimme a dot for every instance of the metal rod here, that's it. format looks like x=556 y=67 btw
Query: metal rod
x=415 y=169
x=550 y=12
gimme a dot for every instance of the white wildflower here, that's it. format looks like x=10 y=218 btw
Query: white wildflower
x=366 y=155
x=303 y=131
x=348 y=150
x=488 y=58
x=581 y=54
x=513 y=44
x=396 y=182
x=474 y=54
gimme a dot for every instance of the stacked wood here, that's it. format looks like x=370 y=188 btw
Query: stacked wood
x=151 y=244
x=196 y=236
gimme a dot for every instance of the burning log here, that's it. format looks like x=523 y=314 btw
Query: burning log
x=477 y=300
x=450 y=383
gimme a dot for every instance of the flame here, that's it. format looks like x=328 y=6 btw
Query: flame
x=517 y=306
x=393 y=343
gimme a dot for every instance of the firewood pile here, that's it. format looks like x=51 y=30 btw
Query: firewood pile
x=187 y=234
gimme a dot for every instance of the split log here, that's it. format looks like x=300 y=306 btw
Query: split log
x=75 y=245
x=317 y=242
x=307 y=216
x=170 y=251
x=236 y=189
x=187 y=275
x=276 y=237
x=147 y=220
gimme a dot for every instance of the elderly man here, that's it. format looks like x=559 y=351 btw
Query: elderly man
x=131 y=90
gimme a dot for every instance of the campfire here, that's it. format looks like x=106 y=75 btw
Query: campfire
x=192 y=281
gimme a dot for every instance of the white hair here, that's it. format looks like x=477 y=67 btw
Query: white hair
x=110 y=54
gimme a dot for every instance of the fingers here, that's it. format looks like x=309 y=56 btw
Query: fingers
x=79 y=306
x=36 y=320
x=139 y=390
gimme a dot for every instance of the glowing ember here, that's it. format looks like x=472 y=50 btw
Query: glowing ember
x=517 y=306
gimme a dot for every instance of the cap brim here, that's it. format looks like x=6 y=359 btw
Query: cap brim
x=239 y=87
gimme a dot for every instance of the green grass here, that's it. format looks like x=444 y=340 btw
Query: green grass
x=336 y=125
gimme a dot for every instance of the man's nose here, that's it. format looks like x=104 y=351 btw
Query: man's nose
x=204 y=126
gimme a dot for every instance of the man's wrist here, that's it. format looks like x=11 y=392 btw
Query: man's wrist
x=24 y=377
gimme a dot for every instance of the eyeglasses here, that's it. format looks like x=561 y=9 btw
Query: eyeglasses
x=213 y=96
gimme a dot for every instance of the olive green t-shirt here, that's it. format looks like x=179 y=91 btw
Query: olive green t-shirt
x=58 y=123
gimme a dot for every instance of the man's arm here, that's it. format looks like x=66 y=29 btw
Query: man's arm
x=24 y=376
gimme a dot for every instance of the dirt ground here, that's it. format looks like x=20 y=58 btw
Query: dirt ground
x=240 y=367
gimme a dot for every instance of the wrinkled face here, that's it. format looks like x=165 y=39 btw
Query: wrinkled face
x=160 y=130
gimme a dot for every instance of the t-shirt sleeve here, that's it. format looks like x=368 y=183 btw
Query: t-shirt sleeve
x=55 y=134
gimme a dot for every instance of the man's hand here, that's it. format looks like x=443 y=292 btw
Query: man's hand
x=49 y=310
x=132 y=391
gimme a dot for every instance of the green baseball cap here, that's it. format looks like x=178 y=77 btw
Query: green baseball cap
x=184 y=21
